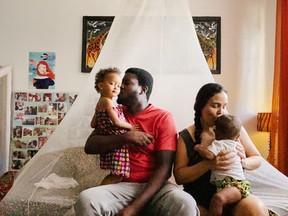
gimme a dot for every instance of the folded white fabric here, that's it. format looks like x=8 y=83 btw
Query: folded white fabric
x=55 y=181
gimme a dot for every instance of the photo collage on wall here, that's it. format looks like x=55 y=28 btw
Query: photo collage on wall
x=35 y=118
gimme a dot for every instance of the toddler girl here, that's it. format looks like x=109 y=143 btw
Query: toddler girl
x=109 y=119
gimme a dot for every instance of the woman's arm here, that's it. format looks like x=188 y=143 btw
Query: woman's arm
x=251 y=158
x=184 y=173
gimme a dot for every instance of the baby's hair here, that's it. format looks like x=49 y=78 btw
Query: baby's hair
x=100 y=76
x=228 y=126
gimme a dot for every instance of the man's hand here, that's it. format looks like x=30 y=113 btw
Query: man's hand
x=128 y=211
x=138 y=138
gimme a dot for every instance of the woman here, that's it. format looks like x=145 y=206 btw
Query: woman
x=194 y=172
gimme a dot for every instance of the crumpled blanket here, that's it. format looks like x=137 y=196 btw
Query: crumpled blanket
x=55 y=181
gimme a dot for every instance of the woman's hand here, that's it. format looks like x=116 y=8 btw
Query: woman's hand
x=224 y=160
x=241 y=151
x=241 y=154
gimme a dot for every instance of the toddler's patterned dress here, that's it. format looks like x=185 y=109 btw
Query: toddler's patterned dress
x=118 y=159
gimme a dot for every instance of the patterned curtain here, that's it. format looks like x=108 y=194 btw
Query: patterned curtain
x=279 y=137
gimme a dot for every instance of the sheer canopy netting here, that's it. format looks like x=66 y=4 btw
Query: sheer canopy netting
x=157 y=35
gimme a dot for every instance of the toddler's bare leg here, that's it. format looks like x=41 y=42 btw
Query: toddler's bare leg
x=111 y=179
x=224 y=197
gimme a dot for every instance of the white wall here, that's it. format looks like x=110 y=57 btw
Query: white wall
x=247 y=52
x=247 y=46
x=55 y=26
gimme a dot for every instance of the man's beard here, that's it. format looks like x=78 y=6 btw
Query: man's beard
x=127 y=100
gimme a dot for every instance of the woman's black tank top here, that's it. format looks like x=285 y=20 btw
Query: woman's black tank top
x=201 y=189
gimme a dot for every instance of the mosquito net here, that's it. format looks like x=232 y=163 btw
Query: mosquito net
x=157 y=35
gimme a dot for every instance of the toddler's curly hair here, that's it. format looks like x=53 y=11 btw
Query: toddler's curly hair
x=100 y=76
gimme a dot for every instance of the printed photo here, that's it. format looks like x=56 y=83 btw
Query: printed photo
x=17 y=164
x=47 y=97
x=72 y=98
x=20 y=96
x=31 y=153
x=34 y=97
x=42 y=107
x=30 y=110
x=19 y=106
x=41 y=141
x=27 y=131
x=19 y=144
x=18 y=115
x=27 y=120
x=52 y=109
x=60 y=97
x=17 y=132
x=32 y=143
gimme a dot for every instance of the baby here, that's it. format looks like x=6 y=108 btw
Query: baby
x=231 y=184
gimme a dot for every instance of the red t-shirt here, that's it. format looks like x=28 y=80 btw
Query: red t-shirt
x=160 y=124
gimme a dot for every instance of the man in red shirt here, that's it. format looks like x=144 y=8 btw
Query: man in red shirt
x=147 y=190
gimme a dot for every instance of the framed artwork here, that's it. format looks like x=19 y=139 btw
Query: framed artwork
x=96 y=29
x=208 y=30
x=94 y=34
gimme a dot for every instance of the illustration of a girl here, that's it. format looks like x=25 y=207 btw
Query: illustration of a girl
x=45 y=76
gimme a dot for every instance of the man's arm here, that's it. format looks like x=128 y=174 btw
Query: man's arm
x=98 y=144
x=157 y=181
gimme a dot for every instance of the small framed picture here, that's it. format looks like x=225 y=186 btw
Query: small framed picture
x=208 y=31
x=95 y=31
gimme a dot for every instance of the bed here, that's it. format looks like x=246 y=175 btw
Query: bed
x=27 y=199
x=267 y=183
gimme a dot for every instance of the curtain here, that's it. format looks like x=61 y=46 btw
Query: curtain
x=279 y=135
